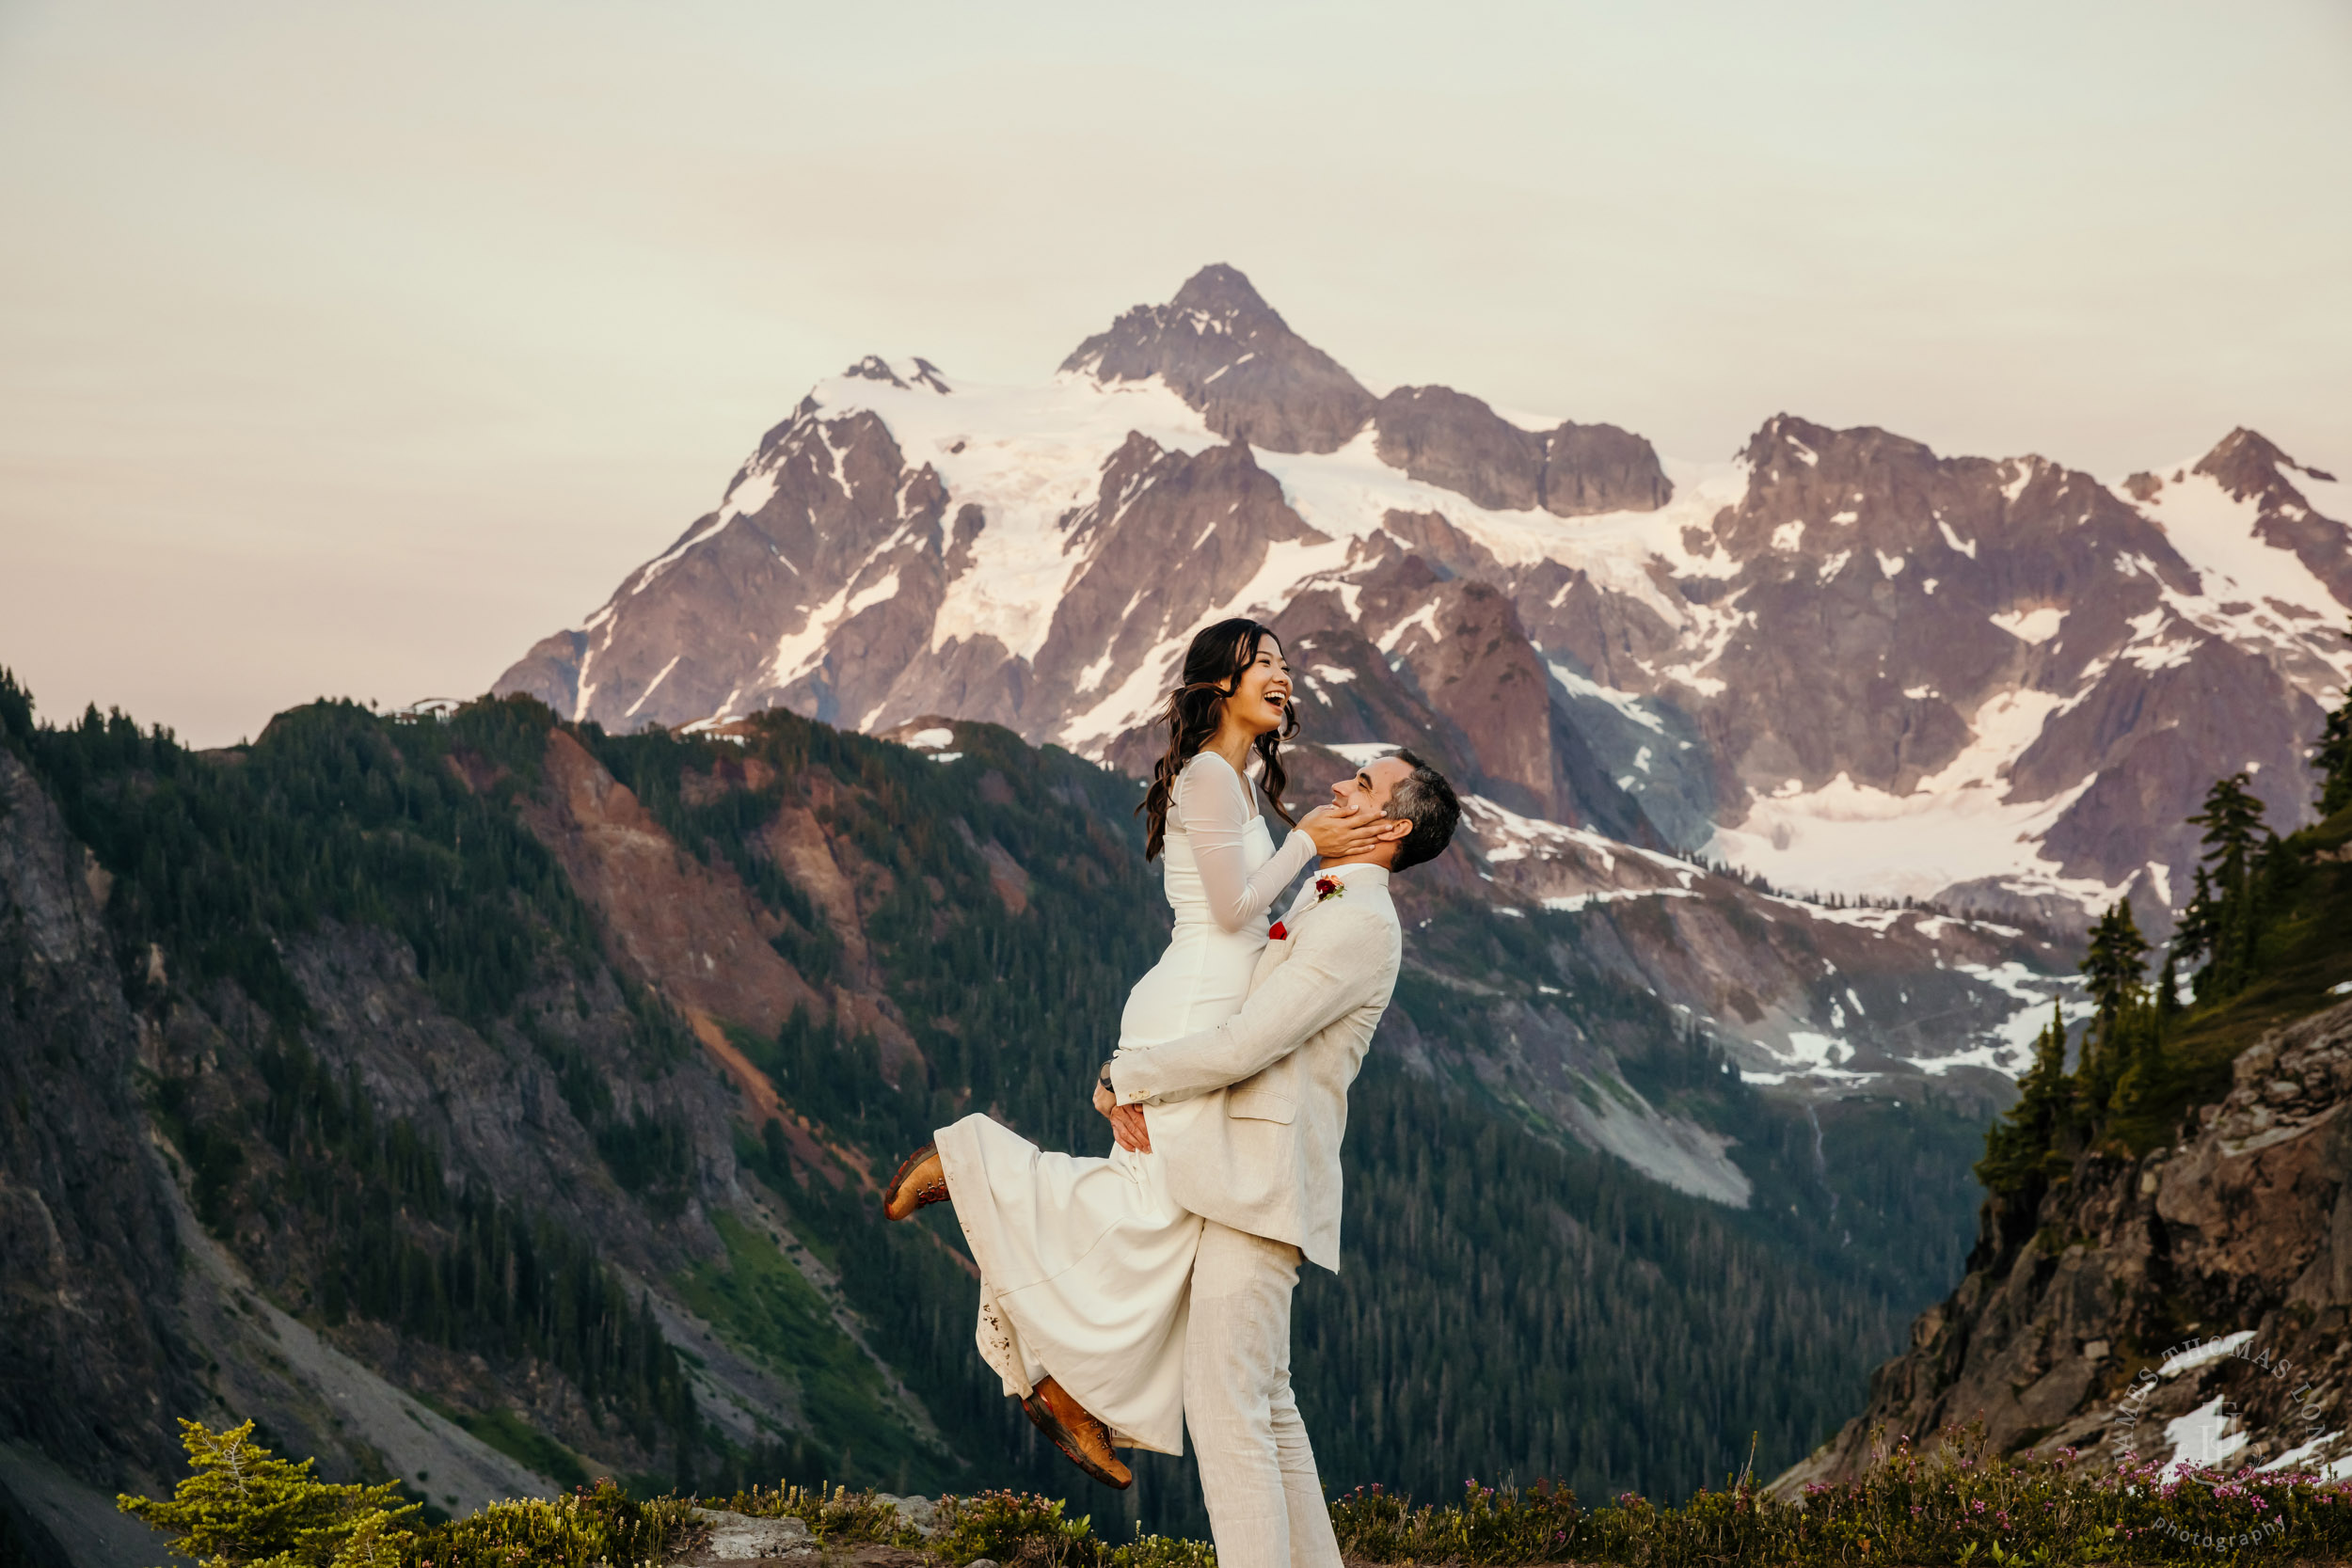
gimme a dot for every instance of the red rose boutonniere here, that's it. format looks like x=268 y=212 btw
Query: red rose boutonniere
x=1326 y=887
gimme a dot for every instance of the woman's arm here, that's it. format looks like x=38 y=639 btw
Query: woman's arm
x=1213 y=806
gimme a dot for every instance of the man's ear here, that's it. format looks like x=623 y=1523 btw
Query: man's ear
x=1401 y=826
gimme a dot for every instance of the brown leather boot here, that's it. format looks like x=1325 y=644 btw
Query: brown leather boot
x=922 y=1180
x=1084 y=1441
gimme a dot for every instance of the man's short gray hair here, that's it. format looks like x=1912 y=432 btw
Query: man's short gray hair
x=1425 y=799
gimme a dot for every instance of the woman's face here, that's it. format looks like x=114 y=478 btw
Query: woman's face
x=1262 y=700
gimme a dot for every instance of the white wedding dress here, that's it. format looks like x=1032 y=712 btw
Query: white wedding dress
x=1085 y=1265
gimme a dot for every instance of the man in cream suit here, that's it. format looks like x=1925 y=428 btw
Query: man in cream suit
x=1249 y=1117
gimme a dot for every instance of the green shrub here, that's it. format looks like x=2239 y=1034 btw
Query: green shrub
x=836 y=1516
x=1948 y=1502
x=1489 y=1524
x=1163 y=1551
x=1016 y=1527
x=588 y=1526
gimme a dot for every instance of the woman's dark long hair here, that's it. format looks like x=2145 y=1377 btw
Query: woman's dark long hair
x=1213 y=670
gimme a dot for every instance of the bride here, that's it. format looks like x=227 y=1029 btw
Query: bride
x=1085 y=1264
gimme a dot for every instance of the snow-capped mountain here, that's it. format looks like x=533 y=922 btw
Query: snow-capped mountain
x=1837 y=659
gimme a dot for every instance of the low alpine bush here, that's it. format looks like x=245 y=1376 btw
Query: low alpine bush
x=835 y=1515
x=1945 y=1504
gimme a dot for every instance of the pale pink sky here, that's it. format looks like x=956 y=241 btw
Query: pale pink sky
x=350 y=349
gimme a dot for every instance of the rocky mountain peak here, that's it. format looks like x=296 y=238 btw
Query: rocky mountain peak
x=1224 y=291
x=1792 y=445
x=920 y=373
x=1220 y=347
x=2302 y=509
x=2245 y=463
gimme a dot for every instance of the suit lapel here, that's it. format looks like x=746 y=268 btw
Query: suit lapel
x=1278 y=953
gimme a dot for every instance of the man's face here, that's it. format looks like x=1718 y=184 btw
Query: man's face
x=1370 y=789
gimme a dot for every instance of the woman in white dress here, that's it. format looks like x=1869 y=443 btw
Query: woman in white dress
x=1085 y=1263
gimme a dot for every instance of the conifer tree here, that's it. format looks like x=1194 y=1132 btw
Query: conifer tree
x=241 y=1504
x=2244 y=869
x=2168 y=990
x=2115 y=963
x=2113 y=971
x=2233 y=820
x=2017 y=1148
x=2334 y=757
x=2193 y=938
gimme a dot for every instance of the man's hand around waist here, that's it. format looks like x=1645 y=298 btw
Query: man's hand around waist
x=1126 y=1121
x=1128 y=1128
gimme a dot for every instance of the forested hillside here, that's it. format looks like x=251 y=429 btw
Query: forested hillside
x=547 y=1074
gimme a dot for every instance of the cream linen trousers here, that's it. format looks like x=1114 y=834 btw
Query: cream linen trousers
x=1257 y=1470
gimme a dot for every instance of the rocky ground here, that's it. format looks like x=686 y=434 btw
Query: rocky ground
x=2195 y=1304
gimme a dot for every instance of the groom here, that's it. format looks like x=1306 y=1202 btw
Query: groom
x=1249 y=1117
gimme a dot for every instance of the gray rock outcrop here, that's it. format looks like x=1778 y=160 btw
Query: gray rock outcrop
x=2212 y=1276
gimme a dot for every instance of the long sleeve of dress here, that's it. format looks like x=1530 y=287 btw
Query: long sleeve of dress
x=1213 y=806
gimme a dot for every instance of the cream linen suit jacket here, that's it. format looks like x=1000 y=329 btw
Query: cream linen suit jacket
x=1249 y=1115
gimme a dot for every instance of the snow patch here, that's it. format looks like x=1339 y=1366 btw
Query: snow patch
x=2202 y=1437
x=1626 y=703
x=1570 y=903
x=2030 y=626
x=1956 y=826
x=2204 y=1355
x=653 y=686
x=799 y=652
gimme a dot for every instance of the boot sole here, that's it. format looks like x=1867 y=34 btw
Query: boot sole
x=1064 y=1439
x=899 y=1182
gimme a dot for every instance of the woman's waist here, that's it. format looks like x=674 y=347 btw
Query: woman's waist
x=1198 y=925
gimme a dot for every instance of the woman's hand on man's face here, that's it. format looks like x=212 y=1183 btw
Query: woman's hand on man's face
x=1341 y=835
